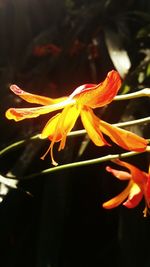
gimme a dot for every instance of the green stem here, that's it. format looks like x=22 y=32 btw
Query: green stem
x=17 y=144
x=120 y=124
x=85 y=163
x=142 y=93
x=74 y=133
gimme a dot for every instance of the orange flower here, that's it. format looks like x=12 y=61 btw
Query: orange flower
x=138 y=186
x=81 y=102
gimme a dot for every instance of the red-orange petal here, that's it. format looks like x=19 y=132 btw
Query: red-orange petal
x=33 y=98
x=91 y=124
x=117 y=200
x=123 y=138
x=134 y=198
x=147 y=190
x=138 y=176
x=121 y=175
x=98 y=95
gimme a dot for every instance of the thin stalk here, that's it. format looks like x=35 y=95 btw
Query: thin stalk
x=17 y=144
x=85 y=163
x=142 y=93
x=120 y=124
x=74 y=133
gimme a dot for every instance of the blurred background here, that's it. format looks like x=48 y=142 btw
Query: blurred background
x=50 y=47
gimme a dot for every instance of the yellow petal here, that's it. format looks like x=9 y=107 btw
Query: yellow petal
x=91 y=124
x=19 y=114
x=116 y=201
x=60 y=124
x=50 y=128
x=33 y=98
x=58 y=127
x=69 y=117
x=101 y=94
x=123 y=138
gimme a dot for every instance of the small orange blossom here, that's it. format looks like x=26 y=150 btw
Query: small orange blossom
x=138 y=186
x=81 y=102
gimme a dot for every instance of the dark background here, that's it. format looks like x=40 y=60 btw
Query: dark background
x=62 y=223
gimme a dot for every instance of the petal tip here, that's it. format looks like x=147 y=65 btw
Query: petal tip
x=108 y=168
x=16 y=89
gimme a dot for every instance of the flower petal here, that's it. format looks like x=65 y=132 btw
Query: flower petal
x=134 y=198
x=58 y=127
x=32 y=98
x=147 y=190
x=60 y=124
x=138 y=176
x=91 y=124
x=101 y=94
x=83 y=89
x=121 y=175
x=116 y=201
x=19 y=114
x=50 y=128
x=123 y=138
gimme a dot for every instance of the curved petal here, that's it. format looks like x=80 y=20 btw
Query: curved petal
x=148 y=187
x=116 y=201
x=32 y=98
x=123 y=138
x=83 y=89
x=60 y=124
x=70 y=115
x=138 y=176
x=101 y=94
x=147 y=190
x=91 y=124
x=121 y=175
x=50 y=128
x=58 y=127
x=19 y=114
x=134 y=198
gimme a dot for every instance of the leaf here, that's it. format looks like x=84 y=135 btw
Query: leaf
x=117 y=53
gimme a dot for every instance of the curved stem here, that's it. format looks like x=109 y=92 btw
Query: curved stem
x=17 y=144
x=73 y=133
x=144 y=92
x=84 y=163
x=120 y=124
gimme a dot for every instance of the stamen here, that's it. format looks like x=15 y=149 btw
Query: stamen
x=50 y=149
x=45 y=154
x=145 y=211
x=52 y=156
x=62 y=143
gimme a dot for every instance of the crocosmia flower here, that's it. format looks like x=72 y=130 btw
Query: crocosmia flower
x=137 y=187
x=81 y=102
